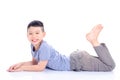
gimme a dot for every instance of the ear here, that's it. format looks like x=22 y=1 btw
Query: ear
x=44 y=34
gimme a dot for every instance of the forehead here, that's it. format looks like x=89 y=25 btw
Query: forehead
x=32 y=28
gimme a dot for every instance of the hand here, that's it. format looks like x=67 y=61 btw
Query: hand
x=16 y=70
x=15 y=67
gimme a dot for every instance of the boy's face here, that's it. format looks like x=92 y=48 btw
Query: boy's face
x=35 y=35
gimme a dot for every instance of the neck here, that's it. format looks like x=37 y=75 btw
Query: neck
x=36 y=47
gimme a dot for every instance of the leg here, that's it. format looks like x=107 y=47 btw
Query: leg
x=107 y=62
x=81 y=60
x=100 y=49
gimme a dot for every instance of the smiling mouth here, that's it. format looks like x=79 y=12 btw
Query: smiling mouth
x=34 y=40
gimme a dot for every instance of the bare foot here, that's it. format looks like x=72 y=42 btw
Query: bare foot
x=92 y=36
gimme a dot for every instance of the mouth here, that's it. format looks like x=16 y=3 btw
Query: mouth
x=35 y=40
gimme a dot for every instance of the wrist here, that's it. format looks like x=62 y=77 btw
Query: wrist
x=22 y=68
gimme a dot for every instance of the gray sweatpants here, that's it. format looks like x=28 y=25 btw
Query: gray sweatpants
x=82 y=61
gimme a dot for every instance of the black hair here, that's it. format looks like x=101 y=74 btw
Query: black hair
x=36 y=23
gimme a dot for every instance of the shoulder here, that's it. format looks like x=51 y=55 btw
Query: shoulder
x=45 y=45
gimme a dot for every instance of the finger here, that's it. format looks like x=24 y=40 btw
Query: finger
x=16 y=70
x=16 y=67
x=10 y=68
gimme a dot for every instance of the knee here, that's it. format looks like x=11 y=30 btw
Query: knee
x=111 y=67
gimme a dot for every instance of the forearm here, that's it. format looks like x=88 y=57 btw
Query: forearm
x=32 y=68
x=27 y=63
x=33 y=62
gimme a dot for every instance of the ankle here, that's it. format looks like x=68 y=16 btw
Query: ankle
x=95 y=43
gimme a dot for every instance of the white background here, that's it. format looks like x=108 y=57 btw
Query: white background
x=66 y=23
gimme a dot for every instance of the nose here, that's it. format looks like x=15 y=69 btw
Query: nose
x=33 y=35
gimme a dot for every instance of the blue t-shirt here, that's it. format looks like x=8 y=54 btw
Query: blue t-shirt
x=56 y=61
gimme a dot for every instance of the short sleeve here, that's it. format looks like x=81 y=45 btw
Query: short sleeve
x=44 y=52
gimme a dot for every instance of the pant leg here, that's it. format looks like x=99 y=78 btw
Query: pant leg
x=82 y=61
x=105 y=57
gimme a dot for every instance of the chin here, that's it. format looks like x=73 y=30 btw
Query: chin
x=35 y=44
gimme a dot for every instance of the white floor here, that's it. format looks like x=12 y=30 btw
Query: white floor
x=66 y=23
x=59 y=75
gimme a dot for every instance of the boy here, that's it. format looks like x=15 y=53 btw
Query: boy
x=45 y=56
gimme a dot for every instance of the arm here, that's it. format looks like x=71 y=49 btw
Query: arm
x=18 y=65
x=37 y=67
x=33 y=62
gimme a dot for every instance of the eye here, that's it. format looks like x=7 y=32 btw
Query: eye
x=37 y=33
x=30 y=33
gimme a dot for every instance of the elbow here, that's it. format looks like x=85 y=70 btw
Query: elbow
x=40 y=69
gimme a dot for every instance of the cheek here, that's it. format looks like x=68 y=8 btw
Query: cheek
x=40 y=37
x=29 y=38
